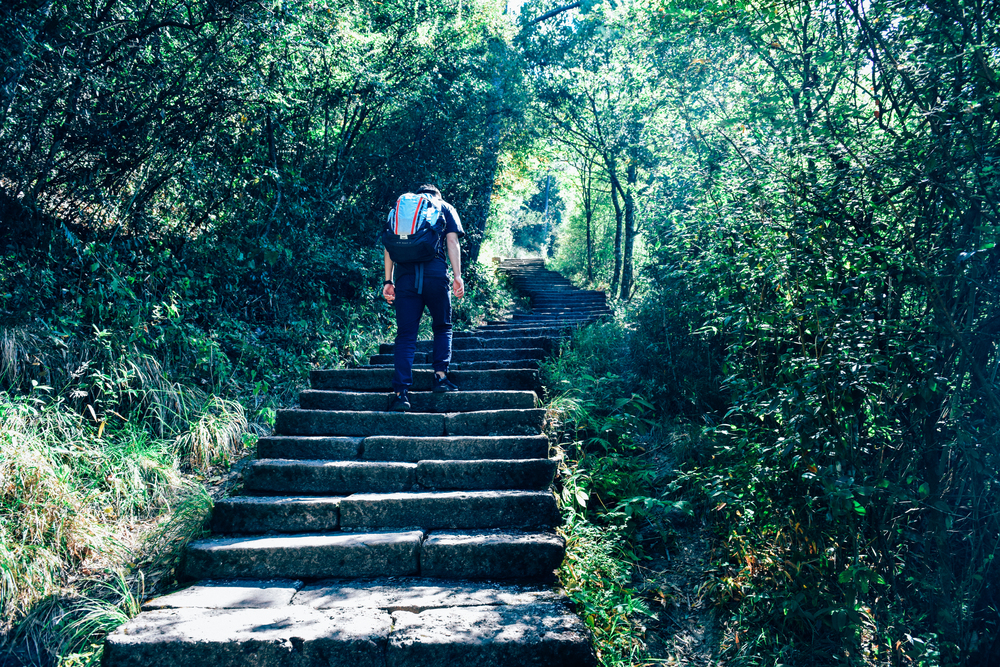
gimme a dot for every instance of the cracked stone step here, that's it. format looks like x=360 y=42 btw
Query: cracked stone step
x=380 y=379
x=413 y=594
x=350 y=423
x=283 y=476
x=290 y=636
x=403 y=448
x=526 y=628
x=422 y=401
x=418 y=594
x=427 y=510
x=539 y=635
x=232 y=594
x=305 y=556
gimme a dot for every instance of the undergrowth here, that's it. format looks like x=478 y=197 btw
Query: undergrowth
x=618 y=508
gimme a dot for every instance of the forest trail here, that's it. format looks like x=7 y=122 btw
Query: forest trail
x=374 y=538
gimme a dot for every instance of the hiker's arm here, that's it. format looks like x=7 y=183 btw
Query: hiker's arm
x=388 y=290
x=455 y=257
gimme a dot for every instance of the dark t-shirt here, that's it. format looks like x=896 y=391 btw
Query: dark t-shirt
x=438 y=267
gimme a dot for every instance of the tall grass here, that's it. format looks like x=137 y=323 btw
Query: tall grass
x=82 y=506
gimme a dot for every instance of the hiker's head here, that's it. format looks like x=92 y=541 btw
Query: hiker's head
x=428 y=189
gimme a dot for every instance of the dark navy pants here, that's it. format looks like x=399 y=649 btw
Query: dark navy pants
x=409 y=308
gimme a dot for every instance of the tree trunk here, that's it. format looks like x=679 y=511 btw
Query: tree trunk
x=629 y=196
x=586 y=177
x=615 y=187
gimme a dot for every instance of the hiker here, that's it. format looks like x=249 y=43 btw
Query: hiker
x=411 y=287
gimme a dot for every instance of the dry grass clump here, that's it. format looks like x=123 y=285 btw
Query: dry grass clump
x=94 y=516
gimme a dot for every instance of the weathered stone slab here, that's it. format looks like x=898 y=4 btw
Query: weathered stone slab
x=380 y=379
x=495 y=422
x=525 y=364
x=230 y=594
x=486 y=474
x=308 y=447
x=450 y=509
x=529 y=364
x=465 y=356
x=536 y=332
x=305 y=556
x=294 y=636
x=336 y=477
x=344 y=422
x=287 y=514
x=398 y=448
x=471 y=343
x=416 y=595
x=491 y=555
x=536 y=635
x=421 y=401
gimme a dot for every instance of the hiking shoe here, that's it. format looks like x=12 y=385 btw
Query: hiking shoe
x=399 y=403
x=443 y=384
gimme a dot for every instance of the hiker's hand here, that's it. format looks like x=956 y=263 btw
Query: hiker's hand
x=458 y=287
x=389 y=292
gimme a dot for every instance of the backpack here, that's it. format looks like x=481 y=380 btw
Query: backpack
x=413 y=232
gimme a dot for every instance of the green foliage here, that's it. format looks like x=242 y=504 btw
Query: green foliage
x=617 y=507
x=595 y=575
x=822 y=285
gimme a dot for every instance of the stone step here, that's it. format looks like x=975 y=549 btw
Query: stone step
x=472 y=366
x=481 y=636
x=403 y=448
x=311 y=477
x=422 y=401
x=572 y=318
x=565 y=326
x=459 y=343
x=350 y=423
x=491 y=555
x=582 y=308
x=373 y=623
x=432 y=510
x=464 y=356
x=544 y=285
x=455 y=448
x=414 y=594
x=294 y=514
x=380 y=379
x=575 y=299
x=427 y=510
x=535 y=332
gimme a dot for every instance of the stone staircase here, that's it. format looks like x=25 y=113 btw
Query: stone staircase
x=391 y=539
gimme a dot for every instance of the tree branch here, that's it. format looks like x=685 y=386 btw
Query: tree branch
x=552 y=12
